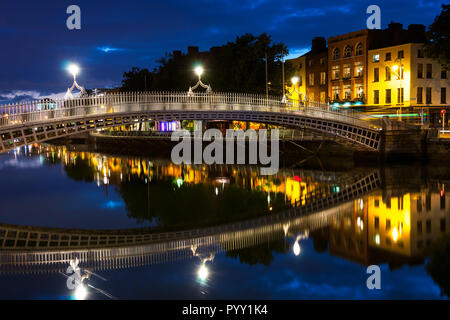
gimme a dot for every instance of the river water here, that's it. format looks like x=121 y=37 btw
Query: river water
x=305 y=233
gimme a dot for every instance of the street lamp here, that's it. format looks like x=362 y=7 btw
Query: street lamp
x=199 y=71
x=74 y=70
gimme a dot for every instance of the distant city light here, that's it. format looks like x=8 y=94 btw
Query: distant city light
x=294 y=80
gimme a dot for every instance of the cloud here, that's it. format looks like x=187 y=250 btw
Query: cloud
x=28 y=95
x=107 y=49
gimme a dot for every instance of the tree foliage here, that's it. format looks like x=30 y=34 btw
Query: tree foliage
x=438 y=38
x=237 y=66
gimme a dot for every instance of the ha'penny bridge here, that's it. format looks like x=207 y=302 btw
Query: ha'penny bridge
x=39 y=121
x=26 y=249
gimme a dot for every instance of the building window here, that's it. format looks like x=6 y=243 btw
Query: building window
x=429 y=70
x=388 y=96
x=400 y=95
x=359 y=69
x=336 y=54
x=377 y=203
x=359 y=90
x=428 y=202
x=310 y=63
x=322 y=97
x=322 y=61
x=347 y=71
x=311 y=79
x=388 y=56
x=442 y=225
x=376 y=75
x=401 y=54
x=420 y=53
x=359 y=49
x=348 y=91
x=419 y=227
x=428 y=226
x=419 y=204
x=377 y=223
x=443 y=95
x=419 y=95
x=376 y=58
x=443 y=74
x=347 y=51
x=335 y=72
x=388 y=74
x=323 y=78
x=336 y=92
x=388 y=224
x=420 y=70
x=376 y=97
x=428 y=95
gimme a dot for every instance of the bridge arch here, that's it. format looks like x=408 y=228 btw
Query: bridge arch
x=26 y=123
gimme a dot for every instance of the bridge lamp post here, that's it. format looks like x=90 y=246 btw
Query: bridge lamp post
x=74 y=70
x=199 y=71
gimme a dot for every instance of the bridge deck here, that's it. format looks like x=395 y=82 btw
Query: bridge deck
x=33 y=122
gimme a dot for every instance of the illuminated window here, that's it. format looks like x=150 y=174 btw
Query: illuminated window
x=348 y=91
x=322 y=96
x=311 y=79
x=359 y=69
x=376 y=58
x=323 y=78
x=359 y=90
x=335 y=72
x=347 y=72
x=336 y=92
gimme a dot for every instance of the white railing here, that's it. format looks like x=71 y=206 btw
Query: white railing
x=47 y=110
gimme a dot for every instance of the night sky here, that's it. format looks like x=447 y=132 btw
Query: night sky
x=117 y=35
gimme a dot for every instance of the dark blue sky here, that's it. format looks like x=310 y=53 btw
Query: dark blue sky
x=116 y=35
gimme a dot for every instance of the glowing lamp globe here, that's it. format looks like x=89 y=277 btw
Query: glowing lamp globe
x=294 y=80
x=73 y=69
x=198 y=70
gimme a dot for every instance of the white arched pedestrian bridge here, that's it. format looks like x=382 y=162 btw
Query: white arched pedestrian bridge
x=39 y=121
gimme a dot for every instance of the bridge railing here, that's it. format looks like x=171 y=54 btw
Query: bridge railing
x=45 y=110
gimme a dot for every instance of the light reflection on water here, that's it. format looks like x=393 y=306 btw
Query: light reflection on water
x=391 y=226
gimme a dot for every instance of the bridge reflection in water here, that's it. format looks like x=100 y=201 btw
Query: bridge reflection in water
x=36 y=250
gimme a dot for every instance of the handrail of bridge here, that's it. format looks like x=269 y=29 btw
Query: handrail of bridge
x=60 y=109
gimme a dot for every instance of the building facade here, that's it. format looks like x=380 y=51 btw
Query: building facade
x=317 y=71
x=406 y=84
x=347 y=68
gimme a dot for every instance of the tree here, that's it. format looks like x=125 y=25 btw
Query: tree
x=137 y=80
x=438 y=38
x=237 y=66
